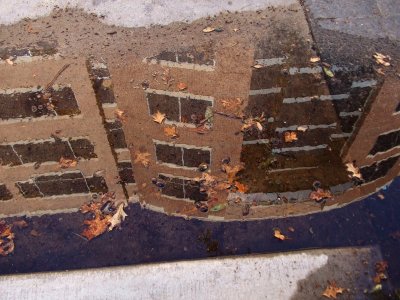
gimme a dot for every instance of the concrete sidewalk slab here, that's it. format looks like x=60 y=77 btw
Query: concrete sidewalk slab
x=293 y=275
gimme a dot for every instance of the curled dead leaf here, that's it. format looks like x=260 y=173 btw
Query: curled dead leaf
x=278 y=234
x=382 y=59
x=6 y=239
x=315 y=59
x=208 y=29
x=96 y=226
x=117 y=218
x=67 y=163
x=353 y=170
x=241 y=188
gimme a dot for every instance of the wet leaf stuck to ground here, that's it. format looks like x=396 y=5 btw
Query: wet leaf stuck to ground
x=382 y=59
x=171 y=132
x=67 y=163
x=314 y=59
x=96 y=226
x=320 y=194
x=290 y=136
x=142 y=158
x=332 y=290
x=181 y=86
x=121 y=115
x=158 y=117
x=232 y=171
x=241 y=188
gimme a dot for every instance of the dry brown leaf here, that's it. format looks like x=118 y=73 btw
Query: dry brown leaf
x=120 y=115
x=232 y=171
x=208 y=29
x=9 y=61
x=233 y=105
x=278 y=234
x=242 y=188
x=355 y=172
x=382 y=59
x=6 y=239
x=96 y=227
x=171 y=131
x=222 y=186
x=143 y=158
x=250 y=122
x=314 y=59
x=320 y=194
x=332 y=290
x=182 y=86
x=158 y=117
x=117 y=218
x=67 y=163
x=290 y=136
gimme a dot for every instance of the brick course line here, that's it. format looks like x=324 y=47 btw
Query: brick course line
x=363 y=83
x=252 y=142
x=309 y=127
x=267 y=62
x=180 y=95
x=206 y=148
x=340 y=135
x=29 y=59
x=275 y=90
x=181 y=65
x=296 y=149
x=344 y=114
x=320 y=98
x=305 y=70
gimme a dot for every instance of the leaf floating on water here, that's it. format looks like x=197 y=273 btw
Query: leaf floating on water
x=278 y=234
x=314 y=59
x=332 y=290
x=328 y=72
x=96 y=226
x=117 y=218
x=158 y=117
x=208 y=29
x=6 y=239
x=291 y=229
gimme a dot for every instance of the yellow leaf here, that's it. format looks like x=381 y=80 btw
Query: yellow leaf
x=171 y=131
x=143 y=158
x=158 y=117
x=332 y=290
x=315 y=59
x=328 y=72
x=382 y=59
x=355 y=172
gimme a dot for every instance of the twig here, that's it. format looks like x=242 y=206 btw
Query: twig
x=227 y=115
x=50 y=84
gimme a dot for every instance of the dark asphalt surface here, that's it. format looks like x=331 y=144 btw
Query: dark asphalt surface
x=148 y=236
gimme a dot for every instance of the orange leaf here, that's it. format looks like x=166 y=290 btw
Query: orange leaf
x=278 y=234
x=182 y=86
x=143 y=158
x=290 y=136
x=332 y=290
x=171 y=132
x=67 y=163
x=120 y=115
x=242 y=188
x=96 y=227
x=232 y=171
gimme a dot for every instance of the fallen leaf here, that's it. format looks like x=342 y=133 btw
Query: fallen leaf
x=34 y=233
x=166 y=77
x=332 y=290
x=67 y=163
x=96 y=226
x=235 y=29
x=256 y=122
x=381 y=266
x=328 y=72
x=120 y=115
x=232 y=171
x=258 y=66
x=291 y=229
x=218 y=207
x=290 y=136
x=9 y=61
x=242 y=188
x=117 y=218
x=182 y=86
x=355 y=172
x=314 y=59
x=208 y=29
x=382 y=59
x=158 y=117
x=233 y=105
x=106 y=83
x=171 y=131
x=381 y=196
x=380 y=71
x=223 y=186
x=320 y=194
x=143 y=158
x=302 y=128
x=278 y=234
x=6 y=239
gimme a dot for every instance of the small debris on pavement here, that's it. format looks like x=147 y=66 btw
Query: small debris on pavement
x=208 y=29
x=315 y=59
x=120 y=115
x=332 y=290
x=382 y=59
